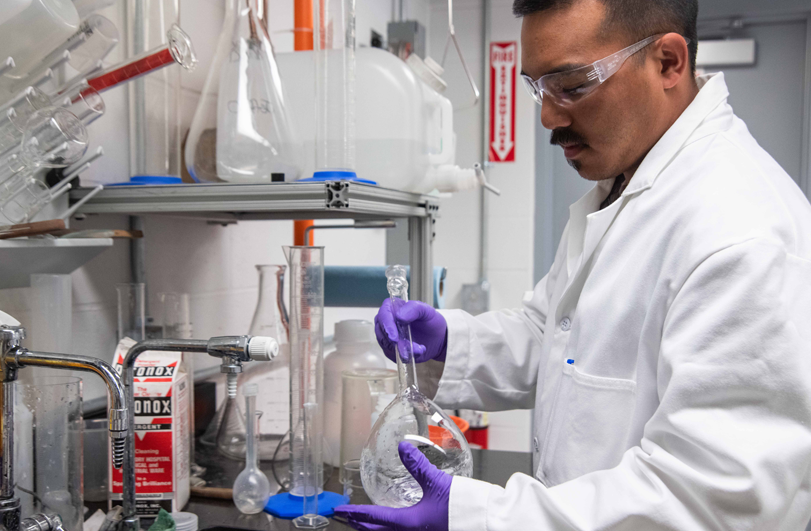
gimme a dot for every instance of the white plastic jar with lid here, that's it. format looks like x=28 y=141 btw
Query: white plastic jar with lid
x=356 y=348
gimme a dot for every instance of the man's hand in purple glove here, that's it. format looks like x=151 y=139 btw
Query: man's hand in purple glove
x=429 y=331
x=429 y=514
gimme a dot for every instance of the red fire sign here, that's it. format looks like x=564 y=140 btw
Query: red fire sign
x=502 y=101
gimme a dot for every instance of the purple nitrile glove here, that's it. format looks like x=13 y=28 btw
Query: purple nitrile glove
x=429 y=514
x=429 y=331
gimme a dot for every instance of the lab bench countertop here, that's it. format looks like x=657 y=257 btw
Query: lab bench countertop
x=488 y=465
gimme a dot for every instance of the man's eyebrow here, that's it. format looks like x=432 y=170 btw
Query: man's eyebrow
x=559 y=69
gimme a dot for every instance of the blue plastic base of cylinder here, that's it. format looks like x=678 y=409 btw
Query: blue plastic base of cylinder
x=287 y=506
x=336 y=175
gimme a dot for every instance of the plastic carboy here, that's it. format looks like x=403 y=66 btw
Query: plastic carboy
x=241 y=130
x=411 y=417
x=272 y=379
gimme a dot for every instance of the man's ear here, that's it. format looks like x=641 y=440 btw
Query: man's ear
x=673 y=58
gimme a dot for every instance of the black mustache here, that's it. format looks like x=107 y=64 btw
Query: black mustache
x=565 y=136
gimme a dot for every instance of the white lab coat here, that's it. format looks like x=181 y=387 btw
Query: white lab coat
x=685 y=307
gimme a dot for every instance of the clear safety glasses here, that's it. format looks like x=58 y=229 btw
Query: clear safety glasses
x=568 y=87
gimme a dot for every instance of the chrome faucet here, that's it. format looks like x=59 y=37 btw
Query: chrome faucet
x=14 y=357
x=233 y=350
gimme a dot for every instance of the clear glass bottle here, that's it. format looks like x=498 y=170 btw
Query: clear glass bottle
x=273 y=379
x=154 y=100
x=411 y=417
x=241 y=131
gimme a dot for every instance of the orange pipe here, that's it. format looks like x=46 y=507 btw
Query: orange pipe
x=302 y=40
x=299 y=226
x=302 y=25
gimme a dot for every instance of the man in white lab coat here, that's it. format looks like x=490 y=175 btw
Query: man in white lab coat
x=667 y=354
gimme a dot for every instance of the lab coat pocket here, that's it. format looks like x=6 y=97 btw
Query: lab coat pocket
x=590 y=425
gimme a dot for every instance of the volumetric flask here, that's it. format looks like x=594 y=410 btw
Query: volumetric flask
x=241 y=131
x=251 y=488
x=48 y=460
x=410 y=417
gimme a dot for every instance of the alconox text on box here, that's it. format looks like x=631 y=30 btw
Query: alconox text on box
x=161 y=432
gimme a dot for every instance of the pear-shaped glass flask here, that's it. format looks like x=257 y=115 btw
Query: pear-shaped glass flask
x=251 y=488
x=411 y=417
x=241 y=131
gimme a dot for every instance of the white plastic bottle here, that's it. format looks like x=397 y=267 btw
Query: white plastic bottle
x=356 y=348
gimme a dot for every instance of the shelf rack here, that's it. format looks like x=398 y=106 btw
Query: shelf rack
x=229 y=203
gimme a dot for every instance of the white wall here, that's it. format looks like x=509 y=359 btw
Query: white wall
x=510 y=217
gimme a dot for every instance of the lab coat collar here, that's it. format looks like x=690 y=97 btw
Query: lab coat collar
x=712 y=93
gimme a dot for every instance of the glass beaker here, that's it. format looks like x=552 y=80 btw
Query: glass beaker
x=241 y=130
x=48 y=461
x=334 y=45
x=131 y=311
x=96 y=443
x=366 y=393
x=306 y=379
x=411 y=417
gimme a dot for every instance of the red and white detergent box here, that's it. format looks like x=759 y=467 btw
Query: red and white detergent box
x=161 y=432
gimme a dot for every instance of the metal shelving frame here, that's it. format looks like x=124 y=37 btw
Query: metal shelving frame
x=229 y=203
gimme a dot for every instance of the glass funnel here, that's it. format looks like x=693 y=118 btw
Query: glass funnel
x=241 y=131
x=411 y=417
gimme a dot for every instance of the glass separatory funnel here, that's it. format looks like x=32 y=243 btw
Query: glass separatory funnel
x=411 y=417
x=251 y=488
x=241 y=131
x=306 y=502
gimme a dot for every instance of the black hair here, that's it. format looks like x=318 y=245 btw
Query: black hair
x=638 y=19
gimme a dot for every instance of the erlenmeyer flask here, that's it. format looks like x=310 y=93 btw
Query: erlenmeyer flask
x=241 y=131
x=272 y=379
x=411 y=417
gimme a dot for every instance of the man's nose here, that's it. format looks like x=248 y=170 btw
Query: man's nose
x=553 y=115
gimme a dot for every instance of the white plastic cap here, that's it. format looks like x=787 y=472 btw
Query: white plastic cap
x=263 y=348
x=354 y=331
x=185 y=521
x=250 y=390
